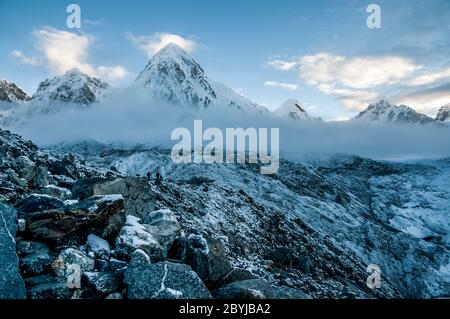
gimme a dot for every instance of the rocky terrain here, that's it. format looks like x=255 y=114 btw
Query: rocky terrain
x=10 y=92
x=443 y=114
x=383 y=111
x=92 y=221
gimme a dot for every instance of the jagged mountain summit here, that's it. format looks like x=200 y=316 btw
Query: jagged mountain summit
x=443 y=114
x=173 y=75
x=10 y=92
x=383 y=111
x=72 y=87
x=292 y=109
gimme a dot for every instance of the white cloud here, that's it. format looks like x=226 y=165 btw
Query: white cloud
x=24 y=59
x=284 y=86
x=282 y=65
x=350 y=99
x=356 y=73
x=152 y=44
x=63 y=50
x=430 y=77
x=427 y=101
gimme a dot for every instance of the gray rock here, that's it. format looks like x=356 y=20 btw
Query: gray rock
x=302 y=263
x=23 y=166
x=164 y=227
x=38 y=202
x=71 y=260
x=36 y=263
x=257 y=289
x=98 y=246
x=207 y=258
x=165 y=280
x=99 y=283
x=139 y=197
x=237 y=274
x=38 y=177
x=56 y=191
x=116 y=264
x=11 y=283
x=135 y=236
x=50 y=290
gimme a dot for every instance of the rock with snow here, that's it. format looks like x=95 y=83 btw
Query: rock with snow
x=71 y=260
x=11 y=283
x=292 y=109
x=103 y=216
x=139 y=197
x=443 y=114
x=164 y=226
x=10 y=92
x=100 y=284
x=38 y=202
x=71 y=87
x=134 y=236
x=208 y=258
x=173 y=75
x=384 y=112
x=35 y=257
x=166 y=280
x=98 y=246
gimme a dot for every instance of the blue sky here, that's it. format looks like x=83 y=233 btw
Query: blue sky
x=320 y=52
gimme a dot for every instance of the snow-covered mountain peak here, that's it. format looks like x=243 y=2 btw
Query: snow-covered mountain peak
x=10 y=92
x=383 y=111
x=292 y=108
x=73 y=86
x=443 y=114
x=173 y=75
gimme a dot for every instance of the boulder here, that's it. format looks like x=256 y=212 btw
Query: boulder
x=207 y=258
x=135 y=236
x=257 y=289
x=165 y=280
x=23 y=166
x=281 y=255
x=100 y=284
x=48 y=287
x=36 y=263
x=11 y=283
x=302 y=263
x=139 y=197
x=72 y=262
x=38 y=177
x=70 y=225
x=98 y=247
x=38 y=202
x=56 y=191
x=164 y=227
x=237 y=274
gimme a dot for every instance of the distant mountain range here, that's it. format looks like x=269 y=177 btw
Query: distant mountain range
x=173 y=75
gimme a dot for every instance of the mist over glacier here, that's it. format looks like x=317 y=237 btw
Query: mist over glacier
x=130 y=117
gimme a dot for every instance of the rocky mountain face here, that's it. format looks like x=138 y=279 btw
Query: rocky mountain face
x=10 y=92
x=443 y=114
x=384 y=112
x=173 y=75
x=292 y=109
x=86 y=225
x=71 y=87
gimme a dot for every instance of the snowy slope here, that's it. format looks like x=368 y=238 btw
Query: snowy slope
x=10 y=92
x=71 y=87
x=345 y=213
x=173 y=75
x=292 y=109
x=443 y=114
x=383 y=111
